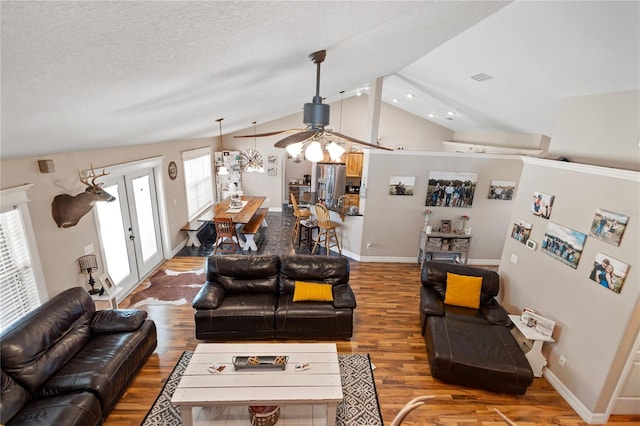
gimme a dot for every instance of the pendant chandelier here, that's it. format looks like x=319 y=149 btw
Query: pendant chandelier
x=250 y=158
x=222 y=170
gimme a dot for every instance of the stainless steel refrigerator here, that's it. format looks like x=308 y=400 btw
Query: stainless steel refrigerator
x=331 y=180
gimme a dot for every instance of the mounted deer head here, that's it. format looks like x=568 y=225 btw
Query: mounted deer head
x=67 y=210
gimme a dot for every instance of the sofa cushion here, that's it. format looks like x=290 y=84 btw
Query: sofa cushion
x=12 y=399
x=463 y=290
x=311 y=320
x=325 y=269
x=117 y=321
x=76 y=409
x=434 y=275
x=47 y=338
x=312 y=292
x=244 y=274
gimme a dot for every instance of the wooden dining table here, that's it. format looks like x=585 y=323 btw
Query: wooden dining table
x=243 y=216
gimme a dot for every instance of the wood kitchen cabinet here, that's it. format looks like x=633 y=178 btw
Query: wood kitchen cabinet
x=354 y=162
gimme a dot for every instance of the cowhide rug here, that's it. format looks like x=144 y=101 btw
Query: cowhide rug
x=169 y=287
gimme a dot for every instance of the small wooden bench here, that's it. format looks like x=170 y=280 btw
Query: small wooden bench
x=251 y=228
x=192 y=228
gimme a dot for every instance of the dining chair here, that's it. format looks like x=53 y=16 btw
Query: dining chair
x=300 y=214
x=226 y=235
x=326 y=231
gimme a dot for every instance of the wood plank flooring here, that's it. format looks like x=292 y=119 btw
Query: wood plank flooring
x=387 y=327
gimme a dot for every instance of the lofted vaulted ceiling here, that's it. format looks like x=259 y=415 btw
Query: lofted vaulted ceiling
x=87 y=75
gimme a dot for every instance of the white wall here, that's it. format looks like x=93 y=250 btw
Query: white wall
x=595 y=327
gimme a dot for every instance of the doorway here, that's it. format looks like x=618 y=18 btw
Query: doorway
x=130 y=227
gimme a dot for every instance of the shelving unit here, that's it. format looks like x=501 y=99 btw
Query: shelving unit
x=444 y=247
x=530 y=342
x=297 y=190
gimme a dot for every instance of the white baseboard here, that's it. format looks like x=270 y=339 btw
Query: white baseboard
x=586 y=415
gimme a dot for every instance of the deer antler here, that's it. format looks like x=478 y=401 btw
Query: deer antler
x=93 y=177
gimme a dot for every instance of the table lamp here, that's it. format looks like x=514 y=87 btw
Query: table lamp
x=89 y=264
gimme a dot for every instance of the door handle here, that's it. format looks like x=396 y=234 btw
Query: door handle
x=131 y=236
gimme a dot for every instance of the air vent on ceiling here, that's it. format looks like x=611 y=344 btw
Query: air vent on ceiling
x=481 y=77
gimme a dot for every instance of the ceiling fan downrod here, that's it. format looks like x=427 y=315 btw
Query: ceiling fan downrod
x=316 y=114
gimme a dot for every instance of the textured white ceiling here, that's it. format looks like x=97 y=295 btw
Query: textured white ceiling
x=84 y=75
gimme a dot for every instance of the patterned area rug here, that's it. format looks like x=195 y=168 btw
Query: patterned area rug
x=360 y=406
x=169 y=287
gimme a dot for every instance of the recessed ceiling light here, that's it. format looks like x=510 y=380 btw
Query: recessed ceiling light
x=431 y=115
x=410 y=95
x=358 y=93
x=451 y=113
x=395 y=101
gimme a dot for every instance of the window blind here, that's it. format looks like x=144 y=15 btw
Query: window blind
x=198 y=181
x=18 y=288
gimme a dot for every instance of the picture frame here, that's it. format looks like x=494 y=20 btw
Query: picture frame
x=451 y=189
x=608 y=226
x=521 y=230
x=272 y=171
x=402 y=185
x=563 y=244
x=501 y=190
x=445 y=226
x=610 y=273
x=272 y=159
x=107 y=283
x=542 y=204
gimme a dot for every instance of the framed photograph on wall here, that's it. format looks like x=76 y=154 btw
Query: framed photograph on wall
x=609 y=272
x=521 y=230
x=542 y=204
x=563 y=244
x=501 y=190
x=272 y=171
x=272 y=159
x=451 y=189
x=107 y=283
x=608 y=226
x=402 y=185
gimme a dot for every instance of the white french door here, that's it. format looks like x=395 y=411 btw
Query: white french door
x=129 y=227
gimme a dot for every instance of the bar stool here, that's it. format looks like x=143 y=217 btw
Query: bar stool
x=300 y=214
x=327 y=230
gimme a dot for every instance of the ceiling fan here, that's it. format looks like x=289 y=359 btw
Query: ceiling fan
x=316 y=117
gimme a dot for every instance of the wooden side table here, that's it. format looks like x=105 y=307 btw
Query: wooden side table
x=531 y=344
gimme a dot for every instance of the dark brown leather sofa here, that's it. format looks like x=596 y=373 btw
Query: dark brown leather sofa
x=251 y=297
x=467 y=346
x=67 y=364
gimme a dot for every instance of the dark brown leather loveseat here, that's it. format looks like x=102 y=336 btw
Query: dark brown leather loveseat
x=251 y=297
x=467 y=346
x=67 y=364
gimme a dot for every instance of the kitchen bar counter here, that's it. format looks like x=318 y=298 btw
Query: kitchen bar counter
x=309 y=199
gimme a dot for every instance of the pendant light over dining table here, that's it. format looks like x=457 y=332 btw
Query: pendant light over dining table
x=222 y=170
x=251 y=158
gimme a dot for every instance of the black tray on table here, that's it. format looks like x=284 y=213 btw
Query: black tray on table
x=270 y=362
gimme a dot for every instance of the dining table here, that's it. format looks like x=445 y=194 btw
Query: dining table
x=239 y=216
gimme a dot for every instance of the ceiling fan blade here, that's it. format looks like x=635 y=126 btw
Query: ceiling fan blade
x=295 y=138
x=259 y=135
x=349 y=138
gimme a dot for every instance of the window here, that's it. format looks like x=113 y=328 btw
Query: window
x=198 y=180
x=19 y=290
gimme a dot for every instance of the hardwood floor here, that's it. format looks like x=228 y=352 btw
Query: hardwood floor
x=387 y=327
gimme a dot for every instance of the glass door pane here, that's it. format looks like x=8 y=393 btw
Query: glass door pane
x=146 y=229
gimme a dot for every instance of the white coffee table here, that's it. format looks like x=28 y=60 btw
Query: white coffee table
x=320 y=385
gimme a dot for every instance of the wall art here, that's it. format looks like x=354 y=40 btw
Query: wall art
x=501 y=190
x=608 y=226
x=402 y=185
x=563 y=244
x=272 y=159
x=451 y=189
x=521 y=230
x=272 y=171
x=609 y=272
x=541 y=205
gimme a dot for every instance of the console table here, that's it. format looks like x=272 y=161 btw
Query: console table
x=530 y=342
x=439 y=246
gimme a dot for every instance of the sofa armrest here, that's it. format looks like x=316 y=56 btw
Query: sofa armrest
x=209 y=297
x=430 y=303
x=117 y=321
x=495 y=313
x=343 y=296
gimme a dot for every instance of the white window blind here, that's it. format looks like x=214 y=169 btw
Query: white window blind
x=198 y=180
x=18 y=288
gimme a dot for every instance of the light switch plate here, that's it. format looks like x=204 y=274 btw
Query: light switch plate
x=514 y=258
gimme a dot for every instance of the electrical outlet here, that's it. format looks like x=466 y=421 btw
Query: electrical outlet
x=514 y=258
x=562 y=360
x=369 y=245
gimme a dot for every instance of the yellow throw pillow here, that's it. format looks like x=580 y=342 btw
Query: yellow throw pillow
x=463 y=291
x=312 y=292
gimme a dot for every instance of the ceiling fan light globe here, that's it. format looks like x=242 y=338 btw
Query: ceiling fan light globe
x=295 y=149
x=335 y=151
x=313 y=152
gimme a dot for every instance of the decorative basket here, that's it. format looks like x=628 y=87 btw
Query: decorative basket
x=264 y=415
